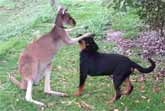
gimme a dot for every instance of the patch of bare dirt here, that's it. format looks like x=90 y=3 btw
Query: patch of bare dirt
x=148 y=44
x=123 y=44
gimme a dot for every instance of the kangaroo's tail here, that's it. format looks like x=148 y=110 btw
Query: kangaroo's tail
x=15 y=81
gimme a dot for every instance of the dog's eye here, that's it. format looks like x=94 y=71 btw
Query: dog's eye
x=79 y=41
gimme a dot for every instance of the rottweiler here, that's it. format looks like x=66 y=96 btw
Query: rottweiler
x=117 y=66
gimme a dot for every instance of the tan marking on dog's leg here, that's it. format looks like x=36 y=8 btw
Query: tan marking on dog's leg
x=129 y=87
x=28 y=96
x=79 y=92
x=47 y=87
x=115 y=97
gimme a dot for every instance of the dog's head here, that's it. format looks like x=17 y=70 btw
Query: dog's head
x=88 y=44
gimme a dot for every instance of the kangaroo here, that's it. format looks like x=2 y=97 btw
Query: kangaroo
x=35 y=60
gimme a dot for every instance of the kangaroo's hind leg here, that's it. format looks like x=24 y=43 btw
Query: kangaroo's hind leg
x=29 y=72
x=47 y=87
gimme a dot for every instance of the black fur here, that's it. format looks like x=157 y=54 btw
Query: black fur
x=94 y=63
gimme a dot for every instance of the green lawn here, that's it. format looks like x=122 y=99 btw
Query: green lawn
x=22 y=21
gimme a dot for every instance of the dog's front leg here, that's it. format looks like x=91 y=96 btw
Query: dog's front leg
x=47 y=87
x=28 y=96
x=81 y=84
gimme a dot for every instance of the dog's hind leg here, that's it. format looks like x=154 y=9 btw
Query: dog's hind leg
x=117 y=82
x=47 y=87
x=129 y=87
x=120 y=74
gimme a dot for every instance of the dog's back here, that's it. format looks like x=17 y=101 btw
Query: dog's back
x=101 y=63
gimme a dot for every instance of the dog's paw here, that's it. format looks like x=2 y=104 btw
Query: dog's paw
x=65 y=95
x=110 y=101
x=77 y=94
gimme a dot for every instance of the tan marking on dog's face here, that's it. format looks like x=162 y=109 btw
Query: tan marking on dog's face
x=82 y=44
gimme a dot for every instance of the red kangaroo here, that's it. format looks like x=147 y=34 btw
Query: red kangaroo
x=35 y=60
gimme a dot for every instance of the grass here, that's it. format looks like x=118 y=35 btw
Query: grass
x=129 y=23
x=65 y=77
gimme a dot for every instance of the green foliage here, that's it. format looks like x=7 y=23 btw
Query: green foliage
x=129 y=23
x=120 y=5
x=153 y=13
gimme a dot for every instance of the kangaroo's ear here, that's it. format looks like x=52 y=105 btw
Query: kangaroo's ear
x=64 y=11
x=94 y=47
x=61 y=10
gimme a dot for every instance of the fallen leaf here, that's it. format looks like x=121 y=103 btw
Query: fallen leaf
x=163 y=99
x=69 y=103
x=41 y=108
x=51 y=104
x=137 y=101
x=116 y=110
x=59 y=67
x=84 y=105
x=78 y=104
x=142 y=87
x=126 y=109
x=143 y=97
x=122 y=103
x=156 y=89
x=17 y=99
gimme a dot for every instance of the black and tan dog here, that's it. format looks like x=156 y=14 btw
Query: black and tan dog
x=120 y=67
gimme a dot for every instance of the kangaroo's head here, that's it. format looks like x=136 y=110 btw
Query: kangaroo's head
x=64 y=18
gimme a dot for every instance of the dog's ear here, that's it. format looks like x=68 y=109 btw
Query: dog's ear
x=91 y=45
x=79 y=36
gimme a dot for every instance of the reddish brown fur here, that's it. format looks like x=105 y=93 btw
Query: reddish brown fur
x=129 y=87
x=78 y=93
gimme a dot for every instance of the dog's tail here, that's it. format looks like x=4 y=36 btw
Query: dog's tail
x=145 y=70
